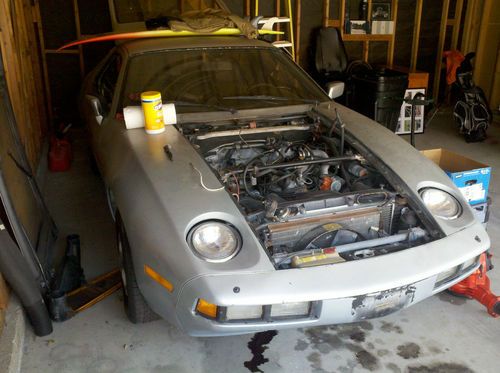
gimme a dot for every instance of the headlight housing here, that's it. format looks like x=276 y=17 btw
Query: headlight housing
x=214 y=241
x=441 y=203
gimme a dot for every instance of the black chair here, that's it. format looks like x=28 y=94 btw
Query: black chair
x=332 y=68
x=331 y=56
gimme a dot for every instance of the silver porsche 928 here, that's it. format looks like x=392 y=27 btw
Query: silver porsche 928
x=267 y=205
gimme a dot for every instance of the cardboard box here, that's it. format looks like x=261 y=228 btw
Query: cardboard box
x=471 y=177
x=481 y=212
x=416 y=78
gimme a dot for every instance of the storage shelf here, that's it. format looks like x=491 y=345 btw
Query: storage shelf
x=369 y=37
x=365 y=39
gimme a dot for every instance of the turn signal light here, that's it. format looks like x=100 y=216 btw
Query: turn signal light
x=206 y=309
x=157 y=277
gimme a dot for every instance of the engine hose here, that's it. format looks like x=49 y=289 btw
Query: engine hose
x=14 y=268
x=245 y=185
x=285 y=176
x=331 y=144
x=245 y=172
x=333 y=148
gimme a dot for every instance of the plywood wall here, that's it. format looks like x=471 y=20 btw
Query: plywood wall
x=486 y=64
x=22 y=59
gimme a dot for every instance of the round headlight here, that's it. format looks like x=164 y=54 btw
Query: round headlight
x=441 y=204
x=214 y=241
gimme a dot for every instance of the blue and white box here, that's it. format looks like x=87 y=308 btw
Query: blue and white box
x=471 y=177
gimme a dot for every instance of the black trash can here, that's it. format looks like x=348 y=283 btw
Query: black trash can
x=379 y=94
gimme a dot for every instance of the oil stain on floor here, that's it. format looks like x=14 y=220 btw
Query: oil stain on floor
x=409 y=350
x=257 y=345
x=363 y=351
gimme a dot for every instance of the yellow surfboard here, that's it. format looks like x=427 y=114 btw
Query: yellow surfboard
x=160 y=34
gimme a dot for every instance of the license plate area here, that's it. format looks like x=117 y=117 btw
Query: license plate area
x=382 y=303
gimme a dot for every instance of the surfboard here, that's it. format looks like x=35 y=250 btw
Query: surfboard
x=159 y=34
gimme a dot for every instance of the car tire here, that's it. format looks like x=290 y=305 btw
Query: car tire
x=136 y=308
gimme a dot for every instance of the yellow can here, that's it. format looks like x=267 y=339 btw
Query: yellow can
x=153 y=112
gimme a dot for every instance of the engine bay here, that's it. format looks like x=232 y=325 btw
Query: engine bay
x=310 y=195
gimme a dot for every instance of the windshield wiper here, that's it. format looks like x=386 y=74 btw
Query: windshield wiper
x=271 y=98
x=209 y=106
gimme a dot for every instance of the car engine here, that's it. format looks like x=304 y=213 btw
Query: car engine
x=311 y=197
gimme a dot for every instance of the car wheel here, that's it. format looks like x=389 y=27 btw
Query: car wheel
x=136 y=308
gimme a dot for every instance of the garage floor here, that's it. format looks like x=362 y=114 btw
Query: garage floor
x=441 y=334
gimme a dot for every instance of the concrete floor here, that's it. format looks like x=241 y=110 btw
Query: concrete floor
x=441 y=334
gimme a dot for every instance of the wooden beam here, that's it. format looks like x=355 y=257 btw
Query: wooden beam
x=36 y=67
x=369 y=14
x=333 y=23
x=342 y=17
x=456 y=27
x=366 y=50
x=416 y=35
x=439 y=57
x=76 y=11
x=41 y=40
x=481 y=43
x=278 y=13
x=24 y=74
x=470 y=28
x=288 y=8
x=369 y=37
x=467 y=24
x=390 y=52
x=298 y=15
x=326 y=12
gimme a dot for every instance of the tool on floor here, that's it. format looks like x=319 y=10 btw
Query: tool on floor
x=70 y=275
x=477 y=286
x=68 y=305
x=70 y=293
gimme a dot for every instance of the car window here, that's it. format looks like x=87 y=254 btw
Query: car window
x=106 y=80
x=237 y=77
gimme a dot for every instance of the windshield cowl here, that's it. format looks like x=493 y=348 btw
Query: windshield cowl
x=245 y=114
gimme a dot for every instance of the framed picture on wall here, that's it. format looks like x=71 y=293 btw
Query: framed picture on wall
x=358 y=26
x=404 y=121
x=381 y=11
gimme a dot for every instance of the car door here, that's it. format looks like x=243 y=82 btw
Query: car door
x=99 y=97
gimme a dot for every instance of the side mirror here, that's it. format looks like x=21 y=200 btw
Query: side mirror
x=96 y=106
x=335 y=89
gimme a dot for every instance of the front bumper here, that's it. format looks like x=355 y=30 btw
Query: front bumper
x=346 y=292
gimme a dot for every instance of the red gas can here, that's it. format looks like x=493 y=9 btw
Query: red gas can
x=59 y=155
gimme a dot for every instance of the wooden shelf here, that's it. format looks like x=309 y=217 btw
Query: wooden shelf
x=333 y=23
x=369 y=37
x=363 y=38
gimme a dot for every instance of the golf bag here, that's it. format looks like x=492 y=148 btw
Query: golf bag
x=471 y=112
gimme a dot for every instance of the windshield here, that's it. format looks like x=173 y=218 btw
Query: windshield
x=220 y=79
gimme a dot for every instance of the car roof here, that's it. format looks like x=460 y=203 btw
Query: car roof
x=158 y=44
